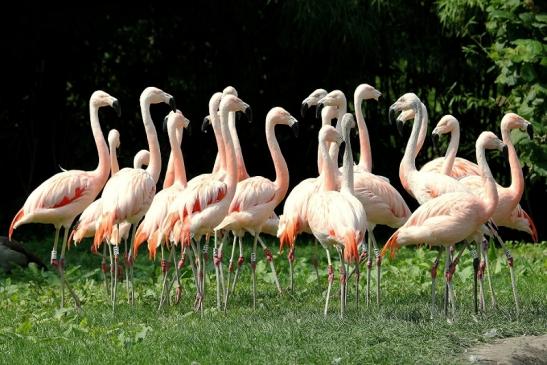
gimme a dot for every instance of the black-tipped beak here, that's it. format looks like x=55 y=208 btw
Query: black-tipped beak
x=392 y=114
x=304 y=109
x=505 y=152
x=165 y=123
x=117 y=108
x=400 y=126
x=172 y=104
x=530 y=130
x=295 y=129
x=189 y=128
x=318 y=110
x=205 y=124
x=435 y=142
x=249 y=114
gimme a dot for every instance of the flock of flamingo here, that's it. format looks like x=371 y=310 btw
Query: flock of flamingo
x=459 y=200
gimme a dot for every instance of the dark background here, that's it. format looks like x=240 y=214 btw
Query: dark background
x=274 y=53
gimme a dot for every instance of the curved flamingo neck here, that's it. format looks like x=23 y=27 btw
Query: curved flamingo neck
x=517 y=179
x=242 y=173
x=490 y=201
x=334 y=148
x=423 y=129
x=328 y=174
x=230 y=157
x=347 y=166
x=280 y=165
x=169 y=173
x=220 y=161
x=154 y=167
x=175 y=139
x=365 y=155
x=114 y=166
x=325 y=120
x=408 y=163
x=451 y=151
x=103 y=169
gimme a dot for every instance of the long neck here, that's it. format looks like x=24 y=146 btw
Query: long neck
x=328 y=178
x=451 y=152
x=408 y=163
x=220 y=161
x=230 y=156
x=103 y=169
x=242 y=173
x=490 y=200
x=154 y=167
x=170 y=173
x=178 y=159
x=347 y=167
x=423 y=129
x=325 y=120
x=175 y=139
x=365 y=158
x=114 y=166
x=335 y=147
x=517 y=179
x=280 y=165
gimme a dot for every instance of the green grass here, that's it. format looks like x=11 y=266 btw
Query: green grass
x=284 y=329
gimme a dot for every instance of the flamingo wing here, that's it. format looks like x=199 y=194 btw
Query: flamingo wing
x=252 y=193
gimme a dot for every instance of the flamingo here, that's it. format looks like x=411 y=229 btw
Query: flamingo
x=294 y=219
x=128 y=194
x=59 y=199
x=149 y=228
x=311 y=101
x=204 y=203
x=452 y=217
x=337 y=218
x=382 y=202
x=256 y=198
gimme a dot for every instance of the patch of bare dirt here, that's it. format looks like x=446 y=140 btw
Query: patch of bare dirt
x=513 y=350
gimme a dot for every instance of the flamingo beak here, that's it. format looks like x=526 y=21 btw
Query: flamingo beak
x=205 y=124
x=435 y=142
x=249 y=114
x=303 y=109
x=400 y=126
x=165 y=120
x=188 y=126
x=392 y=113
x=318 y=110
x=117 y=108
x=295 y=128
x=530 y=130
x=172 y=104
x=505 y=152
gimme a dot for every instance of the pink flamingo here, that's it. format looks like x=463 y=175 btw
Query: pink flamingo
x=256 y=197
x=128 y=194
x=204 y=204
x=59 y=199
x=149 y=229
x=382 y=202
x=311 y=101
x=452 y=217
x=337 y=217
x=294 y=219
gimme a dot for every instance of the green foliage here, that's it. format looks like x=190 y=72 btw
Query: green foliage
x=284 y=329
x=512 y=40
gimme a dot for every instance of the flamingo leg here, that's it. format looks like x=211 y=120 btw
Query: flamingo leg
x=357 y=277
x=230 y=270
x=485 y=243
x=165 y=270
x=111 y=271
x=240 y=261
x=269 y=257
x=342 y=282
x=315 y=261
x=330 y=279
x=434 y=267
x=290 y=258
x=220 y=263
x=116 y=260
x=216 y=263
x=480 y=275
x=178 y=266
x=201 y=273
x=131 y=292
x=378 y=265
x=446 y=289
x=126 y=265
x=62 y=274
x=476 y=261
x=103 y=269
x=369 y=266
x=163 y=276
x=510 y=263
x=449 y=276
x=253 y=268
x=192 y=256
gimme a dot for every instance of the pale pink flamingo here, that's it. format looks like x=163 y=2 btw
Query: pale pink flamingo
x=128 y=194
x=382 y=202
x=203 y=204
x=508 y=212
x=337 y=218
x=311 y=101
x=59 y=199
x=452 y=217
x=256 y=197
x=149 y=228
x=294 y=219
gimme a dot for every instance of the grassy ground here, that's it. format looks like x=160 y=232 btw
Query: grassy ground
x=284 y=329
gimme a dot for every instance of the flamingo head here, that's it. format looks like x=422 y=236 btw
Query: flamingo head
x=328 y=114
x=176 y=120
x=278 y=115
x=232 y=103
x=366 y=92
x=329 y=134
x=447 y=124
x=348 y=122
x=489 y=141
x=229 y=90
x=514 y=121
x=100 y=98
x=335 y=98
x=312 y=100
x=114 y=138
x=153 y=95
x=407 y=101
